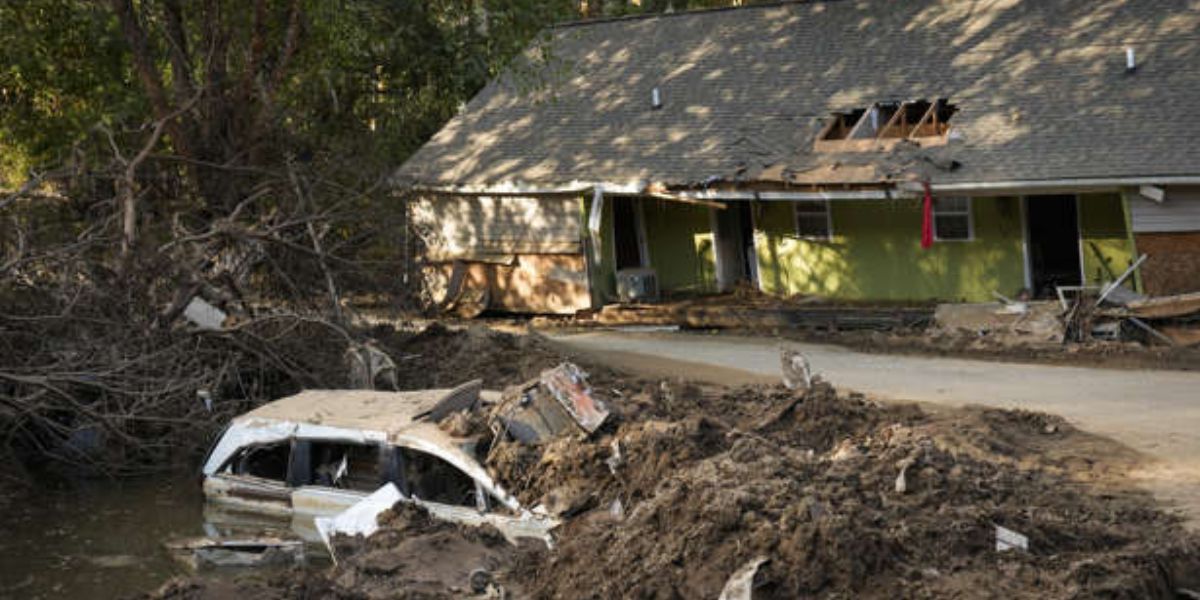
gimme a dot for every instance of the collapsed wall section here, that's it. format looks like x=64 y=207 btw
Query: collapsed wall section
x=1169 y=233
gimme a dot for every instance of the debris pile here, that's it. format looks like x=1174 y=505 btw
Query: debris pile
x=688 y=491
x=683 y=490
x=1082 y=314
x=87 y=390
x=843 y=498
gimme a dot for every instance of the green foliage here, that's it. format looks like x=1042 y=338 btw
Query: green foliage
x=62 y=70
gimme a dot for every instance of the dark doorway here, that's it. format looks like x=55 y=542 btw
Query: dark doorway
x=1053 y=223
x=734 y=229
x=625 y=233
x=746 y=222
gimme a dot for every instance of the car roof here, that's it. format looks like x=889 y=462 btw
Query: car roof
x=366 y=410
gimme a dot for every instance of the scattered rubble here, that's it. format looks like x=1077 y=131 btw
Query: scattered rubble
x=684 y=487
x=1109 y=312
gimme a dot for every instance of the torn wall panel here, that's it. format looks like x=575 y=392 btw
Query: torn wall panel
x=1174 y=263
x=531 y=283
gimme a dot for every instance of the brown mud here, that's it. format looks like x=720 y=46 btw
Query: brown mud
x=689 y=482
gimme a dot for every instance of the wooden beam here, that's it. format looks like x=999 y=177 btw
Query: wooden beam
x=686 y=200
x=928 y=116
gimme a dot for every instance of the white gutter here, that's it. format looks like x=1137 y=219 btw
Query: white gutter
x=518 y=189
x=1109 y=182
x=792 y=196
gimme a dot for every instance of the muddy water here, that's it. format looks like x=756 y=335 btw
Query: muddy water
x=96 y=538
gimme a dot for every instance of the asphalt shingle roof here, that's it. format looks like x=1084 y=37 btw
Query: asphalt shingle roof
x=1041 y=88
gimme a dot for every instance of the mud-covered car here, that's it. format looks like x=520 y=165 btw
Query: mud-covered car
x=321 y=452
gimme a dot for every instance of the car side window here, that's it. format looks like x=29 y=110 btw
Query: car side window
x=268 y=461
x=336 y=464
x=429 y=478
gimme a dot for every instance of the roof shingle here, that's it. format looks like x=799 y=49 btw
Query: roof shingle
x=1041 y=87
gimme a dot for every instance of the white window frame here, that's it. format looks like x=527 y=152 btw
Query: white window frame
x=828 y=221
x=969 y=213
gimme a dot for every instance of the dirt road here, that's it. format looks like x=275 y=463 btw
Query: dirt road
x=1154 y=412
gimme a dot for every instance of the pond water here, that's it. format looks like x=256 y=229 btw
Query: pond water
x=97 y=538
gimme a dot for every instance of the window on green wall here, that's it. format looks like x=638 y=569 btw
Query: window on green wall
x=952 y=219
x=813 y=220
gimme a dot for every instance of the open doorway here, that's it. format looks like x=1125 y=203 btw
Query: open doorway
x=733 y=228
x=1052 y=224
x=627 y=233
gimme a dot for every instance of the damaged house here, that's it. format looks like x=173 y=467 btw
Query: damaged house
x=873 y=150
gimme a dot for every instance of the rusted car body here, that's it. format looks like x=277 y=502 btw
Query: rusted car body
x=321 y=452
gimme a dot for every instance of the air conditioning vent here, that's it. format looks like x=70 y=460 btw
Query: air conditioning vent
x=637 y=285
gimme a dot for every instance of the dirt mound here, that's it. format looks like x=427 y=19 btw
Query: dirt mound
x=442 y=357
x=813 y=484
x=415 y=556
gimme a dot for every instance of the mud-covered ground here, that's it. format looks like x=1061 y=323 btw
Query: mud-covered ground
x=1115 y=355
x=842 y=497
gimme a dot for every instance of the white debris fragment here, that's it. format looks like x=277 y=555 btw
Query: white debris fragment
x=797 y=373
x=204 y=315
x=360 y=519
x=1007 y=539
x=902 y=478
x=616 y=510
x=614 y=460
x=205 y=396
x=740 y=585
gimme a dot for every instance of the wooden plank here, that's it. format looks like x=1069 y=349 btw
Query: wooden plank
x=1166 y=307
x=686 y=200
x=1181 y=336
x=896 y=116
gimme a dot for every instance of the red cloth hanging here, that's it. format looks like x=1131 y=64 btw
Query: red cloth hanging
x=927 y=219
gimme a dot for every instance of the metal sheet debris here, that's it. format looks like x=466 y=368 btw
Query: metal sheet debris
x=464 y=397
x=557 y=403
x=360 y=519
x=568 y=384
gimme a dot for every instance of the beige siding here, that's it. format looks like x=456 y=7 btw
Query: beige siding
x=1179 y=212
x=481 y=227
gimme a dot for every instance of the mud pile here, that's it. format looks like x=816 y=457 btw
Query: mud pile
x=812 y=484
x=439 y=357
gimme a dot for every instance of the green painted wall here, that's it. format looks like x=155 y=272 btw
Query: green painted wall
x=680 y=243
x=876 y=253
x=1107 y=250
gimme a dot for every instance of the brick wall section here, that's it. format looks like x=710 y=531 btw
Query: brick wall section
x=1174 y=263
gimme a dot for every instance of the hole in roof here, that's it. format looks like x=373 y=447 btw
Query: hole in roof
x=914 y=119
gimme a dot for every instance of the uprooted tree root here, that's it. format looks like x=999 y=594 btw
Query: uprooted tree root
x=688 y=483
